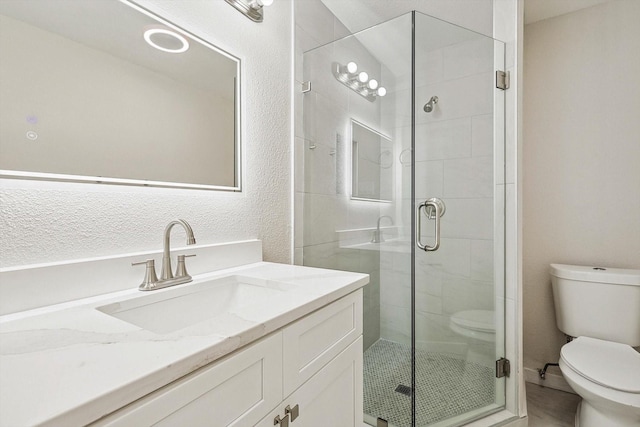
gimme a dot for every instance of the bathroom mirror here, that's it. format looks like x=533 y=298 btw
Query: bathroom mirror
x=104 y=91
x=371 y=164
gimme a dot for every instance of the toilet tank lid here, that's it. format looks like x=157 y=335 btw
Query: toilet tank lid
x=613 y=365
x=620 y=276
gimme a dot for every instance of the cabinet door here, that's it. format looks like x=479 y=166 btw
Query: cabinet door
x=311 y=342
x=236 y=391
x=332 y=397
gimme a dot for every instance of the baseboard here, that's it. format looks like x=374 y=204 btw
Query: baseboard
x=551 y=380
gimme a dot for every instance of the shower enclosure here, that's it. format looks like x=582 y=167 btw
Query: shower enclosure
x=401 y=169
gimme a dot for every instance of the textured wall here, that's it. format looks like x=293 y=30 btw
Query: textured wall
x=581 y=155
x=47 y=221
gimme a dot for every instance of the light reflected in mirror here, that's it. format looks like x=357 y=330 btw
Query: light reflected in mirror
x=371 y=164
x=84 y=97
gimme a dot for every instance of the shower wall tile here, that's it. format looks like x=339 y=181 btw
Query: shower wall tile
x=467 y=178
x=299 y=124
x=468 y=58
x=321 y=256
x=366 y=112
x=464 y=97
x=468 y=218
x=463 y=294
x=319 y=161
x=502 y=233
x=428 y=283
x=429 y=179
x=453 y=258
x=431 y=66
x=394 y=293
x=299 y=147
x=369 y=262
x=482 y=260
x=298 y=255
x=511 y=227
x=427 y=303
x=448 y=139
x=339 y=29
x=395 y=323
x=316 y=19
x=331 y=119
x=402 y=262
x=482 y=135
x=317 y=70
x=433 y=327
x=324 y=120
x=320 y=213
x=303 y=42
x=298 y=220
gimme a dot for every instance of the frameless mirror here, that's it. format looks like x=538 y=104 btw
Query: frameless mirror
x=371 y=164
x=104 y=91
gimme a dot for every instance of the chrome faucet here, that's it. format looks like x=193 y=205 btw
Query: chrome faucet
x=167 y=278
x=166 y=273
x=377 y=235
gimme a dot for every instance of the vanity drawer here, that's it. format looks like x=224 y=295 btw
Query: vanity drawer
x=311 y=342
x=236 y=391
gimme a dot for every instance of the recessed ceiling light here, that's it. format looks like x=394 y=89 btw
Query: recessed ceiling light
x=166 y=40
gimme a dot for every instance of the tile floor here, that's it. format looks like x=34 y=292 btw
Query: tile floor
x=446 y=386
x=548 y=407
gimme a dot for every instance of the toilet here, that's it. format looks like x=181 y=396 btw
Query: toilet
x=478 y=327
x=600 y=307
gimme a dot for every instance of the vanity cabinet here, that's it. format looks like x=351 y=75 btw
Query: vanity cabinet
x=312 y=366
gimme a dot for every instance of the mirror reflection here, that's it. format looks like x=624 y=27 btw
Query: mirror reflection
x=372 y=164
x=105 y=91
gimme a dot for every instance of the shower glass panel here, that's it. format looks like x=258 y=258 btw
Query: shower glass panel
x=428 y=128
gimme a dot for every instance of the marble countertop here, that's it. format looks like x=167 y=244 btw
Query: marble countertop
x=70 y=364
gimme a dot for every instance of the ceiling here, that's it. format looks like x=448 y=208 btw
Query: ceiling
x=537 y=10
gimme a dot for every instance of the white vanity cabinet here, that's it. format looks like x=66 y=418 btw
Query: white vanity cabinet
x=313 y=366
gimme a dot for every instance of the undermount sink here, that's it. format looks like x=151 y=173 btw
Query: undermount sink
x=174 y=309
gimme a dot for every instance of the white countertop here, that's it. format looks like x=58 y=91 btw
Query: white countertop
x=70 y=364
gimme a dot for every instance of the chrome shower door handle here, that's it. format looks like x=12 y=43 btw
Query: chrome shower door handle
x=434 y=209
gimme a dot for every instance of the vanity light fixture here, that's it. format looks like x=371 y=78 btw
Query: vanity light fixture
x=359 y=82
x=166 y=40
x=252 y=9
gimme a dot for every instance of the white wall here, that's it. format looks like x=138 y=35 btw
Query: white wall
x=581 y=155
x=45 y=221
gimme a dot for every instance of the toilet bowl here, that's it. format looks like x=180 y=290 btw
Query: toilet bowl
x=601 y=307
x=476 y=324
x=607 y=376
x=478 y=328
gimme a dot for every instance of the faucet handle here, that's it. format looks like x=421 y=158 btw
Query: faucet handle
x=150 y=278
x=181 y=268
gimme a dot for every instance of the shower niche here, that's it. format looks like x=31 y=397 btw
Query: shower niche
x=433 y=321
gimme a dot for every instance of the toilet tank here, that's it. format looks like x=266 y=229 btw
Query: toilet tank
x=597 y=302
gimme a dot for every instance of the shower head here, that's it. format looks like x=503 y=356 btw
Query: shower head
x=428 y=107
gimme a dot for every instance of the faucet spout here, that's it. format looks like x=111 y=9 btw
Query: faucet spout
x=167 y=273
x=377 y=235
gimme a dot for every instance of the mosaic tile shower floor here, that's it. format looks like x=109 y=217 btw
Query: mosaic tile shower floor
x=446 y=386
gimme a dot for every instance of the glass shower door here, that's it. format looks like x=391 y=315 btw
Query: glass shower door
x=397 y=115
x=459 y=164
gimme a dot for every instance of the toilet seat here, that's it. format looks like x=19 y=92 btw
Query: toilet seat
x=608 y=364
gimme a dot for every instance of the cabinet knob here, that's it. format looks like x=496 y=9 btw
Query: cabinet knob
x=293 y=412
x=282 y=422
